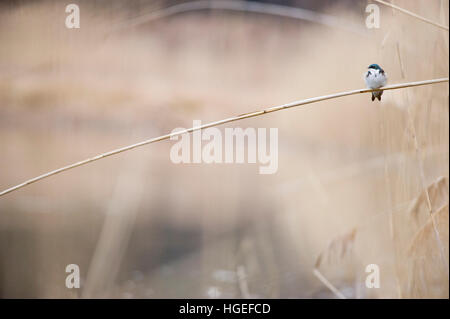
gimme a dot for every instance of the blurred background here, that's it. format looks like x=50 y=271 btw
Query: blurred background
x=358 y=182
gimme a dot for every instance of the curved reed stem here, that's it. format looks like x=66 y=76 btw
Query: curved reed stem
x=228 y=120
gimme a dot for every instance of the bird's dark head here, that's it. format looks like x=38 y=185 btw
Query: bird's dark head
x=375 y=66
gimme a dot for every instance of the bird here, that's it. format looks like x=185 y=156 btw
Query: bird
x=375 y=78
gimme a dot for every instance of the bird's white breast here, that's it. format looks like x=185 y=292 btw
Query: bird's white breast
x=374 y=79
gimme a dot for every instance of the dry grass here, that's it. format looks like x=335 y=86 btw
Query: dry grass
x=346 y=166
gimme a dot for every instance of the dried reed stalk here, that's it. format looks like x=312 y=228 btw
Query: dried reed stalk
x=242 y=281
x=217 y=123
x=328 y=284
x=337 y=249
x=412 y=14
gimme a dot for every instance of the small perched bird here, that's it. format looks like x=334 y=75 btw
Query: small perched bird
x=375 y=78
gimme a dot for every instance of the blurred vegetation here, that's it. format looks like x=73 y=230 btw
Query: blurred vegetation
x=350 y=184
